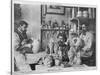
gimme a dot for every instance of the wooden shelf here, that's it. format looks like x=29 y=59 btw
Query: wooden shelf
x=54 y=29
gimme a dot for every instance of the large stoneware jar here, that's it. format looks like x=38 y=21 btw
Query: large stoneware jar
x=36 y=46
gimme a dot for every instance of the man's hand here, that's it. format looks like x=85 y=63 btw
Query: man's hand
x=27 y=45
x=23 y=42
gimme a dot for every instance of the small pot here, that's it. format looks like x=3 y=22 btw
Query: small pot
x=57 y=62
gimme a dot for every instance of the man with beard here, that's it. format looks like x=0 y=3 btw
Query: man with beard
x=20 y=39
x=87 y=53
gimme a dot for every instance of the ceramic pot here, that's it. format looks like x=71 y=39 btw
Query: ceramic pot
x=57 y=62
x=36 y=46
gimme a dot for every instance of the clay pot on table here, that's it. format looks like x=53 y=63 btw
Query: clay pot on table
x=36 y=46
x=57 y=62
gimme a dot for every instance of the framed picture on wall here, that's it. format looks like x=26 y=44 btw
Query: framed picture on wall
x=54 y=9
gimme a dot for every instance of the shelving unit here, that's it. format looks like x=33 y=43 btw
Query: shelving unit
x=49 y=30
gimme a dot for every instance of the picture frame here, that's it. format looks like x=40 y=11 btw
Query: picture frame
x=54 y=9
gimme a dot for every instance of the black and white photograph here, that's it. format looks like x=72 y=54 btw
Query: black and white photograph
x=52 y=37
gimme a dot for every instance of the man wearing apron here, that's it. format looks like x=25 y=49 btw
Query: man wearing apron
x=20 y=39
